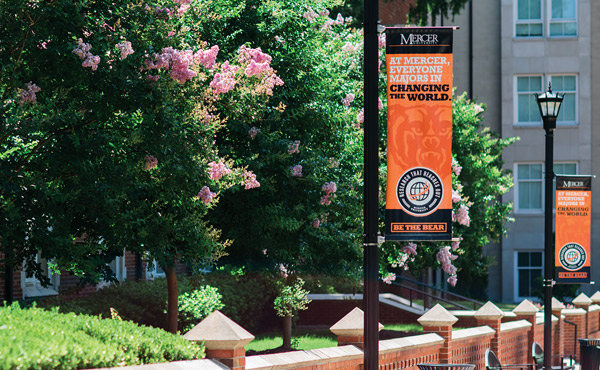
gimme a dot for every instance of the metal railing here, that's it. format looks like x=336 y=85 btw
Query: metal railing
x=421 y=291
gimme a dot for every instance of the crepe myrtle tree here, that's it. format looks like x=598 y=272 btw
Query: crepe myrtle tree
x=306 y=146
x=110 y=114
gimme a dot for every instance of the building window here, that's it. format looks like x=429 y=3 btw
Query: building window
x=527 y=112
x=32 y=286
x=563 y=21
x=527 y=108
x=554 y=18
x=528 y=187
x=562 y=169
x=529 y=18
x=568 y=109
x=529 y=274
x=155 y=271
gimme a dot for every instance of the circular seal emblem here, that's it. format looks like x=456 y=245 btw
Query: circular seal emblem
x=572 y=256
x=419 y=191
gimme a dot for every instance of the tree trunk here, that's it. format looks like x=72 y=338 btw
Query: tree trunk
x=172 y=295
x=287 y=332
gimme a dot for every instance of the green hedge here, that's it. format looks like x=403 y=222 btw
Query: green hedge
x=38 y=339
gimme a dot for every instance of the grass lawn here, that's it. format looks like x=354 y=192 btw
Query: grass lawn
x=304 y=339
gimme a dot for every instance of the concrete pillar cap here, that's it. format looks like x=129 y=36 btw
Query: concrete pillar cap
x=437 y=316
x=351 y=325
x=525 y=308
x=557 y=305
x=596 y=297
x=219 y=332
x=489 y=311
x=582 y=300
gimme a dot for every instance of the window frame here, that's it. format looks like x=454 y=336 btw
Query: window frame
x=562 y=20
x=528 y=21
x=517 y=269
x=528 y=211
x=545 y=77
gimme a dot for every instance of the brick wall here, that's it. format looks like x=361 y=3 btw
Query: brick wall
x=514 y=342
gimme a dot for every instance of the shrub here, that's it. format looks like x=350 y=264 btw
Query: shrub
x=247 y=297
x=196 y=305
x=83 y=341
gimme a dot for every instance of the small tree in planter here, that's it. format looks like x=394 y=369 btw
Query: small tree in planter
x=290 y=300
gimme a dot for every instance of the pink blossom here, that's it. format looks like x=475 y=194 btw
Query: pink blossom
x=283 y=271
x=250 y=181
x=456 y=168
x=222 y=83
x=452 y=280
x=152 y=78
x=296 y=170
x=409 y=249
x=379 y=104
x=183 y=2
x=329 y=187
x=339 y=20
x=206 y=195
x=294 y=147
x=348 y=99
x=171 y=33
x=151 y=162
x=269 y=82
x=125 y=48
x=315 y=223
x=208 y=57
x=253 y=132
x=478 y=108
x=389 y=278
x=361 y=116
x=445 y=258
x=310 y=15
x=324 y=12
x=455 y=244
x=381 y=40
x=182 y=9
x=217 y=170
x=456 y=196
x=27 y=95
x=83 y=52
x=247 y=54
x=255 y=68
x=462 y=216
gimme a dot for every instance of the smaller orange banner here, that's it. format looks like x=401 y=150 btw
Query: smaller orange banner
x=573 y=226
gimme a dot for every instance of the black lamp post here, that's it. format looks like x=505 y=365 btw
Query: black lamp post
x=549 y=104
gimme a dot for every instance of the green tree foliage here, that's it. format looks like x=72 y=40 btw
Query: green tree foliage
x=306 y=146
x=109 y=115
x=421 y=10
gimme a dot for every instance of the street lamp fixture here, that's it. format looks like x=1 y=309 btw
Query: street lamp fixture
x=549 y=104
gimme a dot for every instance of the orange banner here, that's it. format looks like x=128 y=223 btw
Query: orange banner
x=419 y=97
x=573 y=227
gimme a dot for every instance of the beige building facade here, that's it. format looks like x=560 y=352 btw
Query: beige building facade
x=505 y=51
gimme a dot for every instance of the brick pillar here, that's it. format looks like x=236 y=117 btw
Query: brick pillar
x=351 y=329
x=491 y=316
x=528 y=311
x=595 y=301
x=439 y=321
x=576 y=316
x=584 y=302
x=223 y=339
x=558 y=331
